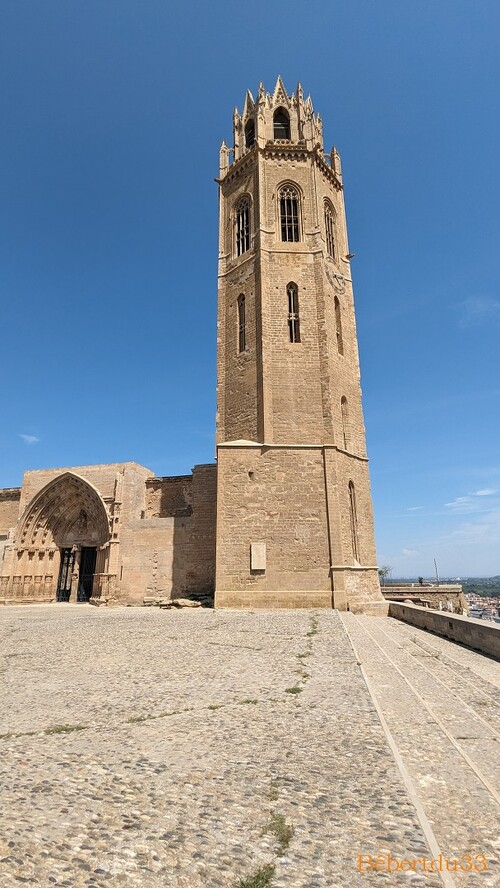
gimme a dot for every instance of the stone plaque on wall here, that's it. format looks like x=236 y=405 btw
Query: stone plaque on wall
x=257 y=556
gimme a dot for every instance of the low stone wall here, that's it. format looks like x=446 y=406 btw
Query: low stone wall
x=428 y=595
x=478 y=634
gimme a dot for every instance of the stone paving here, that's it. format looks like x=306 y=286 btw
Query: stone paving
x=211 y=749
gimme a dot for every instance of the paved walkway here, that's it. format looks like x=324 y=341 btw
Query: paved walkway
x=208 y=749
x=441 y=707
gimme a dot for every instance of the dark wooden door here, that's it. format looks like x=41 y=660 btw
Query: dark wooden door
x=87 y=570
x=65 y=574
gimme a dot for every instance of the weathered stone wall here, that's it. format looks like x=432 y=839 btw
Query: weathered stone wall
x=171 y=554
x=264 y=496
x=278 y=496
x=102 y=477
x=239 y=396
x=9 y=508
x=169 y=497
x=200 y=573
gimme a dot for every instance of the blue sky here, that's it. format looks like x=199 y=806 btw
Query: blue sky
x=112 y=115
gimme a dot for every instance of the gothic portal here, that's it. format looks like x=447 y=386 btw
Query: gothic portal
x=285 y=517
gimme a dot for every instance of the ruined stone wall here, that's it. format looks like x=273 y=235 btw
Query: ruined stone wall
x=200 y=575
x=170 y=552
x=9 y=508
x=169 y=497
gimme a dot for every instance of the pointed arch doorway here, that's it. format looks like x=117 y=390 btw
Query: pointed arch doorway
x=67 y=524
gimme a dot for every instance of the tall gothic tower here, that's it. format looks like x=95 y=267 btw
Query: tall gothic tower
x=294 y=513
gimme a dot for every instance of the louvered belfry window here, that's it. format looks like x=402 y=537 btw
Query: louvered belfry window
x=242 y=227
x=281 y=125
x=249 y=134
x=293 y=312
x=289 y=213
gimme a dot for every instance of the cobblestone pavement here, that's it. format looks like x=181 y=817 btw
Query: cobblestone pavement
x=441 y=703
x=209 y=749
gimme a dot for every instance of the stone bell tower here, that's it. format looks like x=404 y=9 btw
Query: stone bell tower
x=294 y=513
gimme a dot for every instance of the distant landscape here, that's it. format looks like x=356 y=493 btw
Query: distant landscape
x=486 y=587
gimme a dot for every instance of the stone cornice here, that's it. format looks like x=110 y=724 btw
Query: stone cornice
x=238 y=167
x=248 y=445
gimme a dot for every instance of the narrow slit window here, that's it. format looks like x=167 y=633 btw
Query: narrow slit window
x=293 y=313
x=281 y=123
x=353 y=522
x=330 y=229
x=344 y=410
x=242 y=333
x=289 y=214
x=338 y=327
x=242 y=227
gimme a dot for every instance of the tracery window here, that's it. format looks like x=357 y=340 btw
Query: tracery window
x=242 y=227
x=293 y=312
x=338 y=326
x=281 y=124
x=242 y=334
x=330 y=229
x=250 y=134
x=289 y=213
x=353 y=521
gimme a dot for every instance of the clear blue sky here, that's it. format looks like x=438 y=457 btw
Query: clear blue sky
x=112 y=112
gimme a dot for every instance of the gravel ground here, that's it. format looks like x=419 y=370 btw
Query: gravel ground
x=201 y=749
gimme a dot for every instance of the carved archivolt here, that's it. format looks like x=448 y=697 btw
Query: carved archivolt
x=67 y=510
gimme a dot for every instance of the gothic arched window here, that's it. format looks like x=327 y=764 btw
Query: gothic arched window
x=289 y=213
x=344 y=412
x=243 y=226
x=250 y=134
x=242 y=333
x=293 y=312
x=338 y=326
x=281 y=122
x=353 y=522
x=330 y=229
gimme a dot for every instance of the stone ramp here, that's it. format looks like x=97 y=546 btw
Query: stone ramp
x=441 y=705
